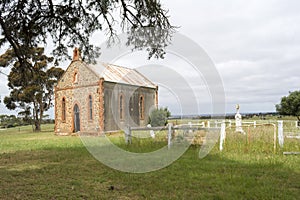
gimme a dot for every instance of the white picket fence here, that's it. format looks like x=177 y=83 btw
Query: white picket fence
x=170 y=128
x=221 y=126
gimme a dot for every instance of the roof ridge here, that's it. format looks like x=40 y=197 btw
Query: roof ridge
x=110 y=64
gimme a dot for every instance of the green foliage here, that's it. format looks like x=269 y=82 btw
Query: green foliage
x=159 y=117
x=31 y=88
x=27 y=24
x=8 y=121
x=290 y=105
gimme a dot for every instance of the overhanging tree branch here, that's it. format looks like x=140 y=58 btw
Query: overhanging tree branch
x=27 y=24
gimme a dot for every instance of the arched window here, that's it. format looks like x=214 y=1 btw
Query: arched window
x=141 y=106
x=90 y=107
x=121 y=106
x=63 y=109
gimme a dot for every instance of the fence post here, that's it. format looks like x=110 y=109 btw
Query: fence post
x=208 y=124
x=222 y=135
x=169 y=134
x=128 y=135
x=190 y=125
x=280 y=133
x=203 y=124
x=254 y=123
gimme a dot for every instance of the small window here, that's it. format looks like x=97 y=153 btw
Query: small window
x=141 y=107
x=90 y=107
x=121 y=106
x=63 y=107
x=75 y=78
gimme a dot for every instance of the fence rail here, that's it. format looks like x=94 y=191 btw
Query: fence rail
x=224 y=125
x=170 y=128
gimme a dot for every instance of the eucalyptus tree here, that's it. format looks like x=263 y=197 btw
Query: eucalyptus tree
x=31 y=89
x=27 y=24
x=290 y=105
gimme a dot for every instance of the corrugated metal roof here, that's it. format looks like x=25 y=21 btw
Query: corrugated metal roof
x=118 y=74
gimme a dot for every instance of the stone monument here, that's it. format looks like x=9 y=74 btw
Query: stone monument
x=238 y=120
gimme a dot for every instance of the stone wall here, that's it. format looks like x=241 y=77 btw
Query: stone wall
x=76 y=90
x=131 y=94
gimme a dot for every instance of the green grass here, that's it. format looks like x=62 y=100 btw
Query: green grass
x=45 y=166
x=141 y=141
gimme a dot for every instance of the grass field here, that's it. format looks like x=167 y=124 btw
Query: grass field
x=45 y=166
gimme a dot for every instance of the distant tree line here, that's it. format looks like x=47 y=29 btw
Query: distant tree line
x=9 y=121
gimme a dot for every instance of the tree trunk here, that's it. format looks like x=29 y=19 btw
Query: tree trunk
x=37 y=124
x=41 y=114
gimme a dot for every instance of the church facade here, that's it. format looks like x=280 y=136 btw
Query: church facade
x=100 y=98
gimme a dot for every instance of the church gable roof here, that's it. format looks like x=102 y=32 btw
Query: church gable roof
x=88 y=74
x=123 y=75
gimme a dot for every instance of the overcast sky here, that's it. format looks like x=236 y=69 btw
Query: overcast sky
x=255 y=46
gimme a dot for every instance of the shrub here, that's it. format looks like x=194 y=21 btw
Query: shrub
x=159 y=117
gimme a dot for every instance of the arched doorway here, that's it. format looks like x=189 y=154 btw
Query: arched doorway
x=76 y=118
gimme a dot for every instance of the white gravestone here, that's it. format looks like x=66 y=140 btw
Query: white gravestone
x=238 y=120
x=280 y=133
x=152 y=133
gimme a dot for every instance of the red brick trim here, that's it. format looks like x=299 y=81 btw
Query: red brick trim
x=63 y=111
x=156 y=97
x=55 y=110
x=75 y=76
x=80 y=116
x=101 y=105
x=121 y=106
x=88 y=108
x=142 y=107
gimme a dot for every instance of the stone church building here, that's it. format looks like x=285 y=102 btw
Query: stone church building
x=100 y=98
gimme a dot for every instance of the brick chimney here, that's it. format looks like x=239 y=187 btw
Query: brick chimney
x=76 y=54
